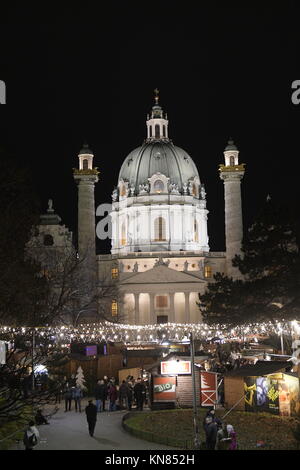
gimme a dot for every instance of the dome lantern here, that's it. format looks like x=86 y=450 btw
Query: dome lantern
x=157 y=123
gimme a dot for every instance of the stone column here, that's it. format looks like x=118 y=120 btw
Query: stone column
x=187 y=307
x=233 y=217
x=172 y=308
x=152 y=310
x=137 y=308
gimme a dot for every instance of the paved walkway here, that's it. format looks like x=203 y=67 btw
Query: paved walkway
x=69 y=431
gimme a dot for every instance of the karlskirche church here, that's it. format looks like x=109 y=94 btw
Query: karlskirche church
x=160 y=256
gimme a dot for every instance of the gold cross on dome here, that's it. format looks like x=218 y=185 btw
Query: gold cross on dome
x=156 y=91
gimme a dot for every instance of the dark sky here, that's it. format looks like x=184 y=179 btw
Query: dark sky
x=87 y=74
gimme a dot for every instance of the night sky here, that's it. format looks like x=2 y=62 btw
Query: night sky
x=85 y=74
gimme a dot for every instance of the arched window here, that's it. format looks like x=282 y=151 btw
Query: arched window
x=164 y=131
x=85 y=164
x=48 y=240
x=157 y=133
x=114 y=308
x=207 y=271
x=231 y=160
x=159 y=229
x=150 y=131
x=196 y=235
x=123 y=234
x=158 y=186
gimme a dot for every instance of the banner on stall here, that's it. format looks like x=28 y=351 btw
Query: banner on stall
x=164 y=388
x=208 y=388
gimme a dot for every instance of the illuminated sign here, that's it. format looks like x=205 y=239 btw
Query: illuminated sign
x=164 y=388
x=175 y=367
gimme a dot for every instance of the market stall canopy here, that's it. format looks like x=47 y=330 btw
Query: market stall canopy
x=260 y=368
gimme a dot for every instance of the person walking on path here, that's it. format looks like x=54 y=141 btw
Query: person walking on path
x=77 y=395
x=123 y=395
x=139 y=394
x=68 y=398
x=211 y=430
x=129 y=395
x=100 y=395
x=91 y=416
x=31 y=436
x=113 y=395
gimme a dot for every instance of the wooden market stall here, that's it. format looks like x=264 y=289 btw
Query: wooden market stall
x=265 y=386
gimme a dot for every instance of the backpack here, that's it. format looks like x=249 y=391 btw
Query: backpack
x=30 y=441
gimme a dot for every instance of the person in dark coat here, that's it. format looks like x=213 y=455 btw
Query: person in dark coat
x=68 y=398
x=211 y=430
x=212 y=414
x=40 y=418
x=77 y=395
x=101 y=395
x=123 y=394
x=129 y=395
x=91 y=416
x=139 y=394
x=112 y=395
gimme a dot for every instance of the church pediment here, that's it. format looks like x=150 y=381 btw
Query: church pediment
x=161 y=275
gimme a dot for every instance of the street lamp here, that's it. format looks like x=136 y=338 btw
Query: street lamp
x=195 y=416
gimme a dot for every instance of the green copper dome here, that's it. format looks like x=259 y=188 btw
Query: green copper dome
x=158 y=156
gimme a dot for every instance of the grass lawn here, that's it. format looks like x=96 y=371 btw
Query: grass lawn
x=274 y=431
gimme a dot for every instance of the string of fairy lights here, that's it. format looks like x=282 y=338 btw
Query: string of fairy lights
x=157 y=333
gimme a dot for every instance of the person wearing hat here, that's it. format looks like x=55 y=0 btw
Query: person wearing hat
x=91 y=416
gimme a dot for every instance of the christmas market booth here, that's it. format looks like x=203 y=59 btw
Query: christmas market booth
x=171 y=382
x=267 y=386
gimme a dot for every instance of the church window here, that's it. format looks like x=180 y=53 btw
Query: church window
x=123 y=234
x=161 y=301
x=114 y=308
x=231 y=160
x=196 y=236
x=150 y=131
x=164 y=131
x=114 y=273
x=194 y=190
x=159 y=229
x=158 y=186
x=48 y=240
x=207 y=271
x=157 y=133
x=85 y=164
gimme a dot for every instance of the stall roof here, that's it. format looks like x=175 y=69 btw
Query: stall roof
x=258 y=369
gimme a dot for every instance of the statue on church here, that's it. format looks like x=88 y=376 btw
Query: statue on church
x=185 y=189
x=201 y=265
x=202 y=192
x=173 y=187
x=185 y=266
x=132 y=189
x=143 y=188
x=190 y=187
x=135 y=267
x=50 y=205
x=121 y=267
x=167 y=263
x=114 y=195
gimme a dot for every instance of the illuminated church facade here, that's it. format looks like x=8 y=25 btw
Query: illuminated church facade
x=160 y=257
